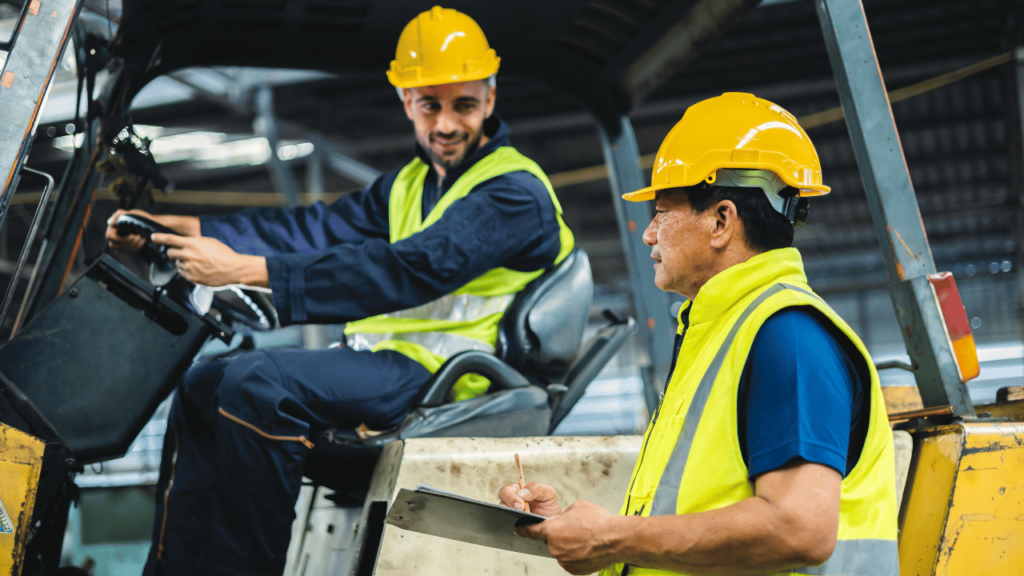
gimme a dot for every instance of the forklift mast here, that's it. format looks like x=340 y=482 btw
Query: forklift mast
x=34 y=50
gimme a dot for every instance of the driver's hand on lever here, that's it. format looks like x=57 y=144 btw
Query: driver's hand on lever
x=184 y=225
x=210 y=262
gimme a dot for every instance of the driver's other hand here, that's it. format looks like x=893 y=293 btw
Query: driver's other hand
x=542 y=498
x=131 y=242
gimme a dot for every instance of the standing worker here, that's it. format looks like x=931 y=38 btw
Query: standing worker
x=770 y=451
x=421 y=264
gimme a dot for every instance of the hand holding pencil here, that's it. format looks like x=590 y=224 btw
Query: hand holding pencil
x=532 y=497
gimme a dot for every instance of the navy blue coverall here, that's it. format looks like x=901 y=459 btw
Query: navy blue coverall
x=232 y=459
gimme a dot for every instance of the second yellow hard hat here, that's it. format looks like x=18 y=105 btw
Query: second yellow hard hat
x=441 y=46
x=734 y=131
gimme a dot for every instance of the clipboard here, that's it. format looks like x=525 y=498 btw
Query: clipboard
x=428 y=510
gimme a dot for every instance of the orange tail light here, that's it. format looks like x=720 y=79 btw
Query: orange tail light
x=958 y=329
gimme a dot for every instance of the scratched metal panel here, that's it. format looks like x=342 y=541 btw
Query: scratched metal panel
x=21 y=459
x=593 y=468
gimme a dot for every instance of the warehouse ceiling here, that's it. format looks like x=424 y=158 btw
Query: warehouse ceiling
x=961 y=140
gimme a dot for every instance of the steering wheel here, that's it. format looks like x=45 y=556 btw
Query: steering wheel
x=250 y=307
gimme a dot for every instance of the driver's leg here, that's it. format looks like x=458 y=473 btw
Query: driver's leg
x=267 y=402
x=183 y=498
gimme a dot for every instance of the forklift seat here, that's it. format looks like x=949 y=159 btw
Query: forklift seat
x=537 y=373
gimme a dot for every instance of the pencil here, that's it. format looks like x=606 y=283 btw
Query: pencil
x=522 y=482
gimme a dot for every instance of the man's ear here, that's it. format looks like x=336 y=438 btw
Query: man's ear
x=492 y=95
x=407 y=96
x=727 y=225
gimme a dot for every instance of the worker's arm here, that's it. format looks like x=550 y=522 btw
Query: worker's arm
x=791 y=521
x=232 y=248
x=354 y=217
x=508 y=221
x=266 y=231
x=210 y=262
x=202 y=260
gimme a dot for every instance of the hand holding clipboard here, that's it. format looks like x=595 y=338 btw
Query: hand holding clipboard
x=428 y=510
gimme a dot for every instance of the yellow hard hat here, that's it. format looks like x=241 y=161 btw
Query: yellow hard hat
x=734 y=131
x=441 y=46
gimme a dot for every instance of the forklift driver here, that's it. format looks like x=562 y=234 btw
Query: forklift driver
x=770 y=451
x=421 y=264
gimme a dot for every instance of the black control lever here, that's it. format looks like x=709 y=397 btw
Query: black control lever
x=163 y=269
x=135 y=224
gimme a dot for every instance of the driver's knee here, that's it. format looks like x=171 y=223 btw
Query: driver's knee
x=251 y=386
x=200 y=383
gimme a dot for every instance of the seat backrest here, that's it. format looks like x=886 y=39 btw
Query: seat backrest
x=543 y=328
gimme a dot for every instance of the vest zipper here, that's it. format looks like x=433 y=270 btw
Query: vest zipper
x=167 y=495
x=657 y=411
x=626 y=567
x=675 y=358
x=238 y=420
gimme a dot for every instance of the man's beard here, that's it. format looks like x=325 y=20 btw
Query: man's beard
x=448 y=162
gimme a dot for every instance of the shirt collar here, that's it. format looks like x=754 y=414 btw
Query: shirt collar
x=683 y=316
x=497 y=133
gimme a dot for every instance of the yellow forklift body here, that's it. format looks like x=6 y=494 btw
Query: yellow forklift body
x=964 y=506
x=21 y=458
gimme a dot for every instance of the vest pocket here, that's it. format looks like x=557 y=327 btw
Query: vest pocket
x=639 y=500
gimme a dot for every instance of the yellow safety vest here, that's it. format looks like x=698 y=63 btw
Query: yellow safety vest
x=691 y=460
x=468 y=318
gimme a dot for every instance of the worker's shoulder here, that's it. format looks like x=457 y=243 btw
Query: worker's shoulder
x=381 y=185
x=806 y=333
x=795 y=319
x=797 y=323
x=521 y=184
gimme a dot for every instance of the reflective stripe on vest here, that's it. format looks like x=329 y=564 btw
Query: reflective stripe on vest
x=467 y=319
x=453 y=308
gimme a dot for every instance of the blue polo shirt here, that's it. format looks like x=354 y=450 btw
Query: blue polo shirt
x=801 y=397
x=334 y=263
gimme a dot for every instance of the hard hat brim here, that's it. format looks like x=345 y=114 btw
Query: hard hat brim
x=651 y=192
x=643 y=195
x=397 y=81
